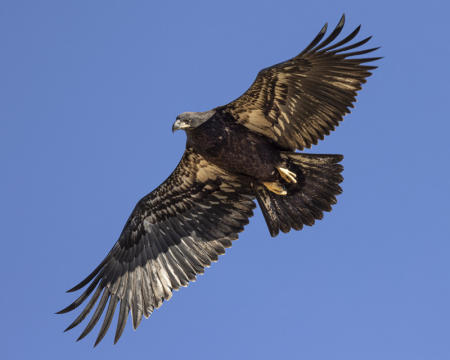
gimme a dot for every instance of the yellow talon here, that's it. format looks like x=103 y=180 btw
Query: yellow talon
x=287 y=175
x=275 y=187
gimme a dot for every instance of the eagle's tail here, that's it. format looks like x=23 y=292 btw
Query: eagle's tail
x=318 y=179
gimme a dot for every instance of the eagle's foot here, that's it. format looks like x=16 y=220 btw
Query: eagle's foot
x=275 y=187
x=287 y=175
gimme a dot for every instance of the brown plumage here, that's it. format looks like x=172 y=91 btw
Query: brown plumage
x=234 y=154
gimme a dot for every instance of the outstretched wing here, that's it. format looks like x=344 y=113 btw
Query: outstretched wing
x=298 y=101
x=171 y=236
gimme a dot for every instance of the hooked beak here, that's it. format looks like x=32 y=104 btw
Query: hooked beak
x=179 y=125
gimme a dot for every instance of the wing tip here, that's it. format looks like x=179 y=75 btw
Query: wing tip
x=70 y=327
x=97 y=341
x=341 y=21
x=75 y=288
x=66 y=309
x=318 y=45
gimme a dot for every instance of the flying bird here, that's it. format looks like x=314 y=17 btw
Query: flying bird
x=235 y=153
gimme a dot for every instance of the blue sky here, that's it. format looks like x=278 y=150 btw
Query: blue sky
x=89 y=93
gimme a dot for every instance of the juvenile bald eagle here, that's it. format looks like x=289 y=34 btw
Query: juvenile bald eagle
x=234 y=154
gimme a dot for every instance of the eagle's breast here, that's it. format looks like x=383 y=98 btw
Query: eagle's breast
x=235 y=148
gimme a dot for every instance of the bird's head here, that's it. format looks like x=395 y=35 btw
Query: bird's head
x=191 y=120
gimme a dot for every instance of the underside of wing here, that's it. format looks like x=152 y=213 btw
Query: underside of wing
x=299 y=101
x=171 y=236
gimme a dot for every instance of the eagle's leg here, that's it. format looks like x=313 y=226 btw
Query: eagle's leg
x=287 y=175
x=275 y=187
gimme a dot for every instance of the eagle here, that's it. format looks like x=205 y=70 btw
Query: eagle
x=235 y=154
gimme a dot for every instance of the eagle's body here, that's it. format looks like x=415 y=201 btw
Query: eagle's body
x=232 y=146
x=235 y=154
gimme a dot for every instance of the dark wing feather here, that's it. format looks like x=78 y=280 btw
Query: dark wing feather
x=171 y=236
x=299 y=101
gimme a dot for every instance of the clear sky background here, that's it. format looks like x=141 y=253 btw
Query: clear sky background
x=89 y=91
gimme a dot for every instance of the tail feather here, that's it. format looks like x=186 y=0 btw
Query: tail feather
x=318 y=179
